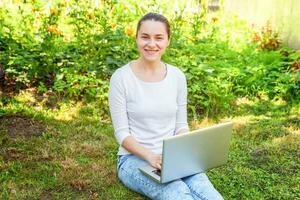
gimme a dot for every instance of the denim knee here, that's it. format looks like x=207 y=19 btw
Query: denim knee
x=202 y=188
x=176 y=190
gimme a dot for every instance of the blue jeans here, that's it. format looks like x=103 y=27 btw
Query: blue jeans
x=192 y=187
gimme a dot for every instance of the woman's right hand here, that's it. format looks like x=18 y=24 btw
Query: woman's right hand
x=133 y=146
x=155 y=160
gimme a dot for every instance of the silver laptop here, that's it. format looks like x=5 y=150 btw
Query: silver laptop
x=191 y=153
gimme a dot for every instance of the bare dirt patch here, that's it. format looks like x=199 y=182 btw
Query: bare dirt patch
x=14 y=154
x=46 y=195
x=20 y=126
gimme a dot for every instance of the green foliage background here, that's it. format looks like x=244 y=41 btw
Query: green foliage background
x=73 y=47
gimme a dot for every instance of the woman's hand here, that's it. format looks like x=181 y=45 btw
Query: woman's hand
x=132 y=145
x=155 y=160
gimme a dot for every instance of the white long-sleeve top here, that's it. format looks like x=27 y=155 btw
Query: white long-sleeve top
x=148 y=111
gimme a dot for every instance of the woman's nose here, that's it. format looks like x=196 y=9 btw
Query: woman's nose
x=151 y=42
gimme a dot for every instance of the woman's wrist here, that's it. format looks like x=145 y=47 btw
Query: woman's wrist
x=133 y=146
x=147 y=155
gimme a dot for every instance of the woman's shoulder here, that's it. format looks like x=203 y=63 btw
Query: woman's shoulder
x=176 y=71
x=121 y=72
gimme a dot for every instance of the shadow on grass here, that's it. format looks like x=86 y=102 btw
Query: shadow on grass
x=73 y=157
x=273 y=129
x=264 y=159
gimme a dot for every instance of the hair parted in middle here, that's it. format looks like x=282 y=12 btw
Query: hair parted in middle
x=155 y=17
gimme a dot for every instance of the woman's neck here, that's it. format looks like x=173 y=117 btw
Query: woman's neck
x=149 y=66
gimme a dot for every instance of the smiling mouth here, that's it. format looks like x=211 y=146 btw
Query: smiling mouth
x=151 y=51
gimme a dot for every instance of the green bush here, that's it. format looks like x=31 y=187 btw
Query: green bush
x=73 y=48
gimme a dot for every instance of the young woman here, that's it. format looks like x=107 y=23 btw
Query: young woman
x=148 y=102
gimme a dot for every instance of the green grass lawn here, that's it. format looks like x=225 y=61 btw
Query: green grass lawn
x=66 y=150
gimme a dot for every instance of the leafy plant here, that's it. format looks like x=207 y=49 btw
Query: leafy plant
x=73 y=48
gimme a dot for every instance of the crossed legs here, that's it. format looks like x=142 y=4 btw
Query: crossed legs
x=195 y=187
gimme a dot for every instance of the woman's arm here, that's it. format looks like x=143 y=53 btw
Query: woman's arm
x=117 y=105
x=181 y=125
x=133 y=146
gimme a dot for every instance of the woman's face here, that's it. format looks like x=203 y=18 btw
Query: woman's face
x=152 y=40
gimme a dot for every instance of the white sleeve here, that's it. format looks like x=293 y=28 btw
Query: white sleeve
x=181 y=115
x=117 y=106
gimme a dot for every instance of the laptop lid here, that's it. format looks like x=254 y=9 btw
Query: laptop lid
x=197 y=151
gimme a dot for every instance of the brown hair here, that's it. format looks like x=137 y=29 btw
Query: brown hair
x=156 y=17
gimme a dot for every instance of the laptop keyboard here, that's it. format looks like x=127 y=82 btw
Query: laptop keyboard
x=157 y=172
